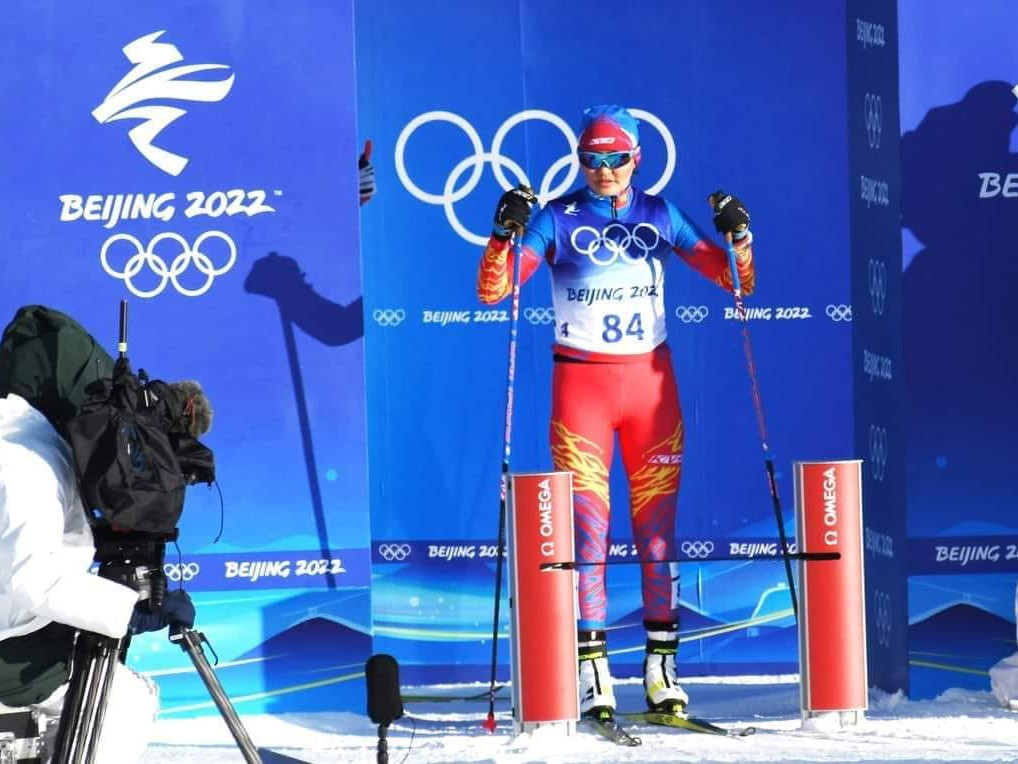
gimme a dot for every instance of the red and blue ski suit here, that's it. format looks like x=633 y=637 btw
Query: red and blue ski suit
x=613 y=371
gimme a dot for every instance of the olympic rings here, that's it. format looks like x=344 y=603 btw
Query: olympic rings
x=691 y=314
x=840 y=312
x=878 y=451
x=873 y=119
x=616 y=239
x=539 y=315
x=882 y=619
x=388 y=316
x=146 y=256
x=394 y=552
x=697 y=549
x=878 y=285
x=475 y=162
x=181 y=571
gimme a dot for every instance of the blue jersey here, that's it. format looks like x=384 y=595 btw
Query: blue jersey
x=607 y=267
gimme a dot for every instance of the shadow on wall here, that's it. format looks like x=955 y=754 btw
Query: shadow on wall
x=960 y=200
x=281 y=279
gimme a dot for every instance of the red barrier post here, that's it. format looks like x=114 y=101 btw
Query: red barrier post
x=542 y=603
x=832 y=599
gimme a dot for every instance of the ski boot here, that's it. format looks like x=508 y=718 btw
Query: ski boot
x=663 y=692
x=597 y=698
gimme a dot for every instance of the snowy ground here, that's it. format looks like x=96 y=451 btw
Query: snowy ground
x=957 y=726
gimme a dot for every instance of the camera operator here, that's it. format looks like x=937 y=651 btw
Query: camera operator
x=47 y=593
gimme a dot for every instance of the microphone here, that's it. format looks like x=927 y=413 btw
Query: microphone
x=384 y=703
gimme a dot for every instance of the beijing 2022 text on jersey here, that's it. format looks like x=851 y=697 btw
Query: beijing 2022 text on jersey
x=613 y=372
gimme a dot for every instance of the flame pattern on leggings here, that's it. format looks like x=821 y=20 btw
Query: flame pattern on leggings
x=585 y=459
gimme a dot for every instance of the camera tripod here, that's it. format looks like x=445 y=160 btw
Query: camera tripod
x=137 y=563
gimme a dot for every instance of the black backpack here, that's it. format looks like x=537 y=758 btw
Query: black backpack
x=134 y=455
x=49 y=359
x=133 y=452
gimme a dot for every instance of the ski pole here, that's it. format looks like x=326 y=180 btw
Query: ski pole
x=743 y=316
x=514 y=315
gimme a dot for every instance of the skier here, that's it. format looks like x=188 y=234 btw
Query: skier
x=606 y=245
x=47 y=592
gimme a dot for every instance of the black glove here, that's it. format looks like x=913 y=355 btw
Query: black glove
x=730 y=215
x=366 y=171
x=177 y=608
x=513 y=211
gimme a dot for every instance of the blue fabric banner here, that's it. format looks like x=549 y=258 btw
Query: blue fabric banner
x=959 y=168
x=161 y=155
x=437 y=359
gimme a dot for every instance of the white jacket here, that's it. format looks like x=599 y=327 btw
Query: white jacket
x=46 y=545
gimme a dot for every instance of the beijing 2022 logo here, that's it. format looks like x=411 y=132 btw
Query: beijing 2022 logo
x=188 y=262
x=150 y=80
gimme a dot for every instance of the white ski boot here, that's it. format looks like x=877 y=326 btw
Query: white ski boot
x=663 y=692
x=597 y=697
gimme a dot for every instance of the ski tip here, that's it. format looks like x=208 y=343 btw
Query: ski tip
x=489 y=723
x=613 y=731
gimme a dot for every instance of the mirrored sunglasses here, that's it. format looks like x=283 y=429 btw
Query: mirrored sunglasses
x=611 y=159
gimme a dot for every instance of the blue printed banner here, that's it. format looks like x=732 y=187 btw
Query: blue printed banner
x=959 y=178
x=444 y=156
x=306 y=569
x=433 y=552
x=963 y=554
x=163 y=155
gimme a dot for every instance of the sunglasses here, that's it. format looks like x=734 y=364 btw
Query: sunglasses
x=594 y=160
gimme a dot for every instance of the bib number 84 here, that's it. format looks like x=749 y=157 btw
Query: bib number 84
x=613 y=328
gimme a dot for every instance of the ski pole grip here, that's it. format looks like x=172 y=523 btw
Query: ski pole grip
x=122 y=337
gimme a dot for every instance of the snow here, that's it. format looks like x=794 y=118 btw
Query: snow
x=959 y=725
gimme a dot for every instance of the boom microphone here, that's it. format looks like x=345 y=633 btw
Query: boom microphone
x=384 y=704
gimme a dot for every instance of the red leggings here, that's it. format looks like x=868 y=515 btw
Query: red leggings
x=637 y=399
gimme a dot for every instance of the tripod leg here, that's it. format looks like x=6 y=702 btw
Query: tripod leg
x=95 y=703
x=190 y=642
x=85 y=703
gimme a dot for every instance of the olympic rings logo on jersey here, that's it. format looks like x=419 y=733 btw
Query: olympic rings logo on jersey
x=839 y=312
x=873 y=119
x=394 y=552
x=539 y=315
x=476 y=161
x=181 y=571
x=617 y=240
x=697 y=549
x=878 y=451
x=388 y=316
x=878 y=285
x=691 y=314
x=146 y=256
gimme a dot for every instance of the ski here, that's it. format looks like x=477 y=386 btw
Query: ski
x=690 y=723
x=610 y=729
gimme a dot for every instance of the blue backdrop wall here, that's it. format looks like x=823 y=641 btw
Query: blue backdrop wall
x=722 y=105
x=239 y=249
x=959 y=165
x=229 y=152
x=878 y=382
